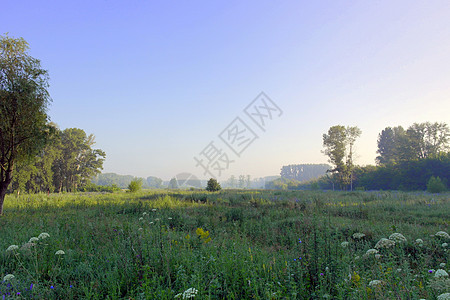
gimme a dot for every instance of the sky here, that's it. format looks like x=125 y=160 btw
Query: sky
x=160 y=83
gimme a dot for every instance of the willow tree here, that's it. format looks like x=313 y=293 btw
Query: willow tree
x=23 y=108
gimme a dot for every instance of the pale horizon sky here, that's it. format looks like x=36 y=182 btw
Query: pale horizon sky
x=157 y=81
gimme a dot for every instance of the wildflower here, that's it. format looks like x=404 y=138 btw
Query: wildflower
x=384 y=243
x=355 y=278
x=144 y=213
x=203 y=234
x=440 y=273
x=140 y=229
x=344 y=244
x=169 y=218
x=397 y=237
x=358 y=235
x=187 y=294
x=442 y=265
x=377 y=256
x=8 y=277
x=375 y=282
x=33 y=239
x=299 y=241
x=444 y=245
x=371 y=251
x=321 y=274
x=151 y=223
x=52 y=287
x=419 y=242
x=43 y=235
x=12 y=248
x=445 y=296
x=141 y=219
x=154 y=209
x=442 y=234
x=157 y=219
x=60 y=252
x=431 y=271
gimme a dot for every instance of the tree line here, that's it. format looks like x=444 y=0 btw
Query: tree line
x=407 y=160
x=67 y=163
x=34 y=154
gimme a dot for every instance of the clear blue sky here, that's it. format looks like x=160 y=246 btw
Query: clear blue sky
x=157 y=81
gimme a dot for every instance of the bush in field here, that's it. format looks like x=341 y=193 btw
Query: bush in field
x=135 y=185
x=435 y=185
x=213 y=185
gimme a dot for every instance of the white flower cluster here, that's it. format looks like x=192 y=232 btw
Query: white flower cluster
x=12 y=248
x=442 y=234
x=445 y=296
x=440 y=273
x=397 y=237
x=385 y=243
x=375 y=283
x=187 y=294
x=371 y=252
x=344 y=244
x=358 y=235
x=43 y=235
x=8 y=277
x=419 y=242
x=60 y=252
x=444 y=245
x=33 y=240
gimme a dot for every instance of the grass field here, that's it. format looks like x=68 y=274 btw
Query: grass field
x=232 y=244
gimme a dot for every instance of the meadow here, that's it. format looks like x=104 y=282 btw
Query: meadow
x=232 y=244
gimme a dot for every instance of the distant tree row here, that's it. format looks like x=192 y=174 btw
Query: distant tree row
x=66 y=163
x=304 y=172
x=122 y=181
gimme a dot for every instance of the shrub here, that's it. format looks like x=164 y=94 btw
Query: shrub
x=135 y=185
x=213 y=185
x=435 y=185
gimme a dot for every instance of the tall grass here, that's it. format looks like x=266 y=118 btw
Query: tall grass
x=226 y=245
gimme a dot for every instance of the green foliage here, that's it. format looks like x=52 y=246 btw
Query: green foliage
x=135 y=185
x=338 y=143
x=90 y=187
x=23 y=108
x=405 y=175
x=419 y=141
x=435 y=185
x=213 y=185
x=66 y=163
